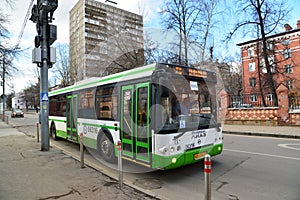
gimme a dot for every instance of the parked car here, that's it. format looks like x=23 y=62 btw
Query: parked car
x=17 y=113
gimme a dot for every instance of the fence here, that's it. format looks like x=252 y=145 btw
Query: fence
x=250 y=100
x=294 y=102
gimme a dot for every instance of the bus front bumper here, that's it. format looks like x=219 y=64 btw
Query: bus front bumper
x=188 y=157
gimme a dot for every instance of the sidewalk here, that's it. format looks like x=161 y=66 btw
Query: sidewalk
x=268 y=131
x=29 y=173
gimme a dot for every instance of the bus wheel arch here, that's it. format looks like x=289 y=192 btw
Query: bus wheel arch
x=53 y=131
x=105 y=146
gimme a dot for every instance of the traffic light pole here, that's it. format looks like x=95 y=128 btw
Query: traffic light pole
x=44 y=102
x=42 y=14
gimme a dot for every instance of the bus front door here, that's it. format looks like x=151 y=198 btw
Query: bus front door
x=71 y=114
x=135 y=122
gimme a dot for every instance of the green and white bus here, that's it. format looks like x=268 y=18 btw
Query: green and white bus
x=164 y=115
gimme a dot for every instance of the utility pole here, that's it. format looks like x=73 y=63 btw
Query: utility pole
x=44 y=56
x=3 y=82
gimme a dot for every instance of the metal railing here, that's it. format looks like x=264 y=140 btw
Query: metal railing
x=249 y=101
x=294 y=102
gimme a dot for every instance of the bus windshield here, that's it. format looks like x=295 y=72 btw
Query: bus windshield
x=187 y=104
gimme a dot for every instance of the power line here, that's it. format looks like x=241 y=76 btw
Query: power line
x=24 y=24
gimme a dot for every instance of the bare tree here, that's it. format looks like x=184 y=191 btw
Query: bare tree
x=207 y=14
x=130 y=53
x=32 y=95
x=180 y=16
x=192 y=20
x=154 y=53
x=62 y=67
x=266 y=16
x=231 y=73
x=7 y=51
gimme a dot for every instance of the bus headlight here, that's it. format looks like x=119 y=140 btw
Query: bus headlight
x=172 y=149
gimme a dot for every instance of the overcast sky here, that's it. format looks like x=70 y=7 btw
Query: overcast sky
x=149 y=9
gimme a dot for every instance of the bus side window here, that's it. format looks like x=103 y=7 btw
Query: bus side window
x=86 y=106
x=106 y=103
x=58 y=105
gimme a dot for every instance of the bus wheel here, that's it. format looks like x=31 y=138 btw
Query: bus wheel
x=53 y=132
x=106 y=148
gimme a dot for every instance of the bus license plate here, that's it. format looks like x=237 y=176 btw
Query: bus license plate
x=200 y=155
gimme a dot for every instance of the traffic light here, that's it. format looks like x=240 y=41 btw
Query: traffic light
x=47 y=5
x=42 y=14
x=34 y=14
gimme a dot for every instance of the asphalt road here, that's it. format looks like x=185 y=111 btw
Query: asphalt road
x=250 y=167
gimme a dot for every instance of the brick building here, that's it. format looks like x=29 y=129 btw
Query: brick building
x=103 y=40
x=284 y=58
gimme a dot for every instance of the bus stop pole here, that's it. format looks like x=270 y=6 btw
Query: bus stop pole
x=81 y=151
x=207 y=178
x=120 y=164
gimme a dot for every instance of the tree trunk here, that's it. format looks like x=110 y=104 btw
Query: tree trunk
x=270 y=79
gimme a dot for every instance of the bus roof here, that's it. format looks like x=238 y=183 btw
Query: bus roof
x=140 y=72
x=127 y=75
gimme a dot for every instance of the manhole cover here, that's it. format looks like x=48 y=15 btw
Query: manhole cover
x=148 y=183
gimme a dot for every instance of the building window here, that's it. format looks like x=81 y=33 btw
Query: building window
x=252 y=82
x=287 y=53
x=251 y=67
x=288 y=69
x=250 y=52
x=269 y=97
x=289 y=84
x=253 y=98
x=271 y=63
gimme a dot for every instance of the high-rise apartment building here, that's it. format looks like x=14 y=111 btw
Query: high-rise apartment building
x=283 y=52
x=103 y=40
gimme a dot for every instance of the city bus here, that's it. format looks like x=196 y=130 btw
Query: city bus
x=164 y=115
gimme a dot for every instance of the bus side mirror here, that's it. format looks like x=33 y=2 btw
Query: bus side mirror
x=164 y=85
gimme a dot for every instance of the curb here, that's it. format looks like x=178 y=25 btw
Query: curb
x=262 y=134
x=111 y=175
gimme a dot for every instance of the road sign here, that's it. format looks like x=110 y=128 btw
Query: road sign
x=44 y=97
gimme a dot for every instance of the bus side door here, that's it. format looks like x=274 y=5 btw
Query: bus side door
x=135 y=122
x=71 y=113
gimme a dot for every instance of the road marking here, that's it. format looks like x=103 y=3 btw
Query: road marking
x=261 y=154
x=288 y=146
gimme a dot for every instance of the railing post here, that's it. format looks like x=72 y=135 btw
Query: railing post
x=81 y=151
x=120 y=164
x=207 y=180
x=37 y=132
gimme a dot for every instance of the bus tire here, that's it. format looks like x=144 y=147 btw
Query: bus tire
x=106 y=148
x=53 y=132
